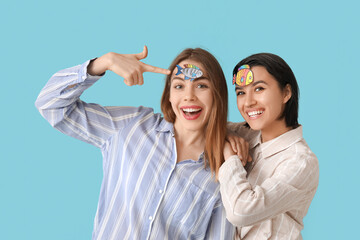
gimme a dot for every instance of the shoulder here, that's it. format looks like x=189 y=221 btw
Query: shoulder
x=300 y=152
x=139 y=117
x=237 y=126
x=242 y=130
x=301 y=164
x=292 y=148
x=147 y=117
x=140 y=113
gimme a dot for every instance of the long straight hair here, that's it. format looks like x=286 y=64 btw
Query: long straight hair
x=215 y=130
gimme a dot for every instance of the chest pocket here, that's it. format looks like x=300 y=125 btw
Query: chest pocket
x=189 y=215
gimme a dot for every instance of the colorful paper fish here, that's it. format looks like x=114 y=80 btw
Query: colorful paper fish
x=190 y=71
x=244 y=76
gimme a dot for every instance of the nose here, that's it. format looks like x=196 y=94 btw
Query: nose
x=250 y=99
x=190 y=93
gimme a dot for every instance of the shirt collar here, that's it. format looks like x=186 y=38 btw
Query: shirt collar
x=165 y=126
x=255 y=140
x=281 y=142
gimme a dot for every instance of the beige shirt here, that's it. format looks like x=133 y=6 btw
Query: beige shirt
x=271 y=198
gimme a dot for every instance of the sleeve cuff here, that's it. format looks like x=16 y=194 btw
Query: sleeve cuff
x=84 y=76
x=82 y=81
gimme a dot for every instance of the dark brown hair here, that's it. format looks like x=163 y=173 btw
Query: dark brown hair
x=215 y=131
x=283 y=74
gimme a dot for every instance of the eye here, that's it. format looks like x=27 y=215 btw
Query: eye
x=238 y=93
x=200 y=85
x=177 y=86
x=258 y=89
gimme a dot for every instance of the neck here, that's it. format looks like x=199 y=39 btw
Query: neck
x=187 y=137
x=276 y=129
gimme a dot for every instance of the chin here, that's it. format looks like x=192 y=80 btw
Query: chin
x=254 y=126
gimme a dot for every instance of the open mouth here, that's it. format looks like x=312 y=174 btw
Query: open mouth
x=255 y=114
x=191 y=113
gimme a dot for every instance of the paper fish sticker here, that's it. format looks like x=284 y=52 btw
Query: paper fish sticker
x=190 y=71
x=244 y=76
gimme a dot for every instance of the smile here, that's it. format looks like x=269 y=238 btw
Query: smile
x=191 y=113
x=255 y=114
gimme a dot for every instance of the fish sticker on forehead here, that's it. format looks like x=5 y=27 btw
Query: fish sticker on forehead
x=244 y=76
x=190 y=71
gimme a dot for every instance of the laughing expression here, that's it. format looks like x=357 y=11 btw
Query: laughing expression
x=191 y=101
x=262 y=103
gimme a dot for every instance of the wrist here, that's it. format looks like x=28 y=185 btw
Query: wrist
x=98 y=66
x=107 y=60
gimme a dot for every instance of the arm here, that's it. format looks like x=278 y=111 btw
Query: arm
x=219 y=227
x=127 y=66
x=59 y=101
x=288 y=187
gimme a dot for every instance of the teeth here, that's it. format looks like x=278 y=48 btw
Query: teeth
x=191 y=109
x=253 y=113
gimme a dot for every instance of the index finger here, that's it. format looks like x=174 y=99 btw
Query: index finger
x=149 y=68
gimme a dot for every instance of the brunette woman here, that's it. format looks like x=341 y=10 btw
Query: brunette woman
x=270 y=196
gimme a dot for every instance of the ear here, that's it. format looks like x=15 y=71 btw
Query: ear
x=287 y=93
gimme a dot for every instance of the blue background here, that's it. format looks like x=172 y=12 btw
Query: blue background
x=50 y=182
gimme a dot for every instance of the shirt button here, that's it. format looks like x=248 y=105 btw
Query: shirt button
x=150 y=218
x=160 y=191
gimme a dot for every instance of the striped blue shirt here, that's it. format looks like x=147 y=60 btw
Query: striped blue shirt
x=145 y=193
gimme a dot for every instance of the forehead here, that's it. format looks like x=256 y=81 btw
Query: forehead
x=260 y=73
x=188 y=61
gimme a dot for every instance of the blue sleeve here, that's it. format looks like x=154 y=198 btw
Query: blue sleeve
x=61 y=106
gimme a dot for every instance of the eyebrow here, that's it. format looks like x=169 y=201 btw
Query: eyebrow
x=254 y=84
x=260 y=81
x=195 y=79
